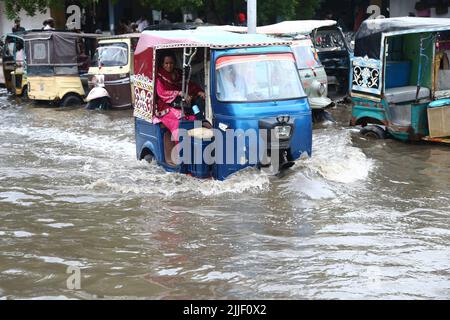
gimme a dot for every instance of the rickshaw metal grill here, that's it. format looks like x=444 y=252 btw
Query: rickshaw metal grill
x=366 y=75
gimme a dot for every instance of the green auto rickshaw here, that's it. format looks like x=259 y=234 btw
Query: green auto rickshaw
x=400 y=79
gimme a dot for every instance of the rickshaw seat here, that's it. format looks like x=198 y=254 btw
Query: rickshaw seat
x=405 y=94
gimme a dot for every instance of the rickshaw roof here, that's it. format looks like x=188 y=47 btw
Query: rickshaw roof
x=369 y=36
x=49 y=34
x=217 y=40
x=295 y=27
x=62 y=49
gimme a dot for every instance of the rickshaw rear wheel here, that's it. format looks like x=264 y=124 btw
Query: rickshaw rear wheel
x=70 y=100
x=373 y=132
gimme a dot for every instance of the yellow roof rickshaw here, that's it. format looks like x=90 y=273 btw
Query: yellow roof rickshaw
x=58 y=64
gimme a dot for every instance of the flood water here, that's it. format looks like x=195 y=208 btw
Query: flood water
x=361 y=219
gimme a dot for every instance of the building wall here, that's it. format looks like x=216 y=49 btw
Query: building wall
x=401 y=8
x=27 y=21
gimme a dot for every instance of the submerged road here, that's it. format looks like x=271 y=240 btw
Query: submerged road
x=360 y=220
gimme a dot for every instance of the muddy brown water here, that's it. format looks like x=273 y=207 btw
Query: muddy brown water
x=359 y=220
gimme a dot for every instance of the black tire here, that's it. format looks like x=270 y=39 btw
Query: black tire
x=70 y=100
x=373 y=132
x=149 y=158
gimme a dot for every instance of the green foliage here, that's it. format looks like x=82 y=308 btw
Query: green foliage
x=32 y=7
x=173 y=4
x=269 y=11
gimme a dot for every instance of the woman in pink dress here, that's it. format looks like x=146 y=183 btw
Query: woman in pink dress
x=168 y=88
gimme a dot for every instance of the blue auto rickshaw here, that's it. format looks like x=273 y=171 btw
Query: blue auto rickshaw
x=266 y=122
x=400 y=79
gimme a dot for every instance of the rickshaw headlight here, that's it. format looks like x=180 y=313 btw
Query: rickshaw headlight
x=282 y=132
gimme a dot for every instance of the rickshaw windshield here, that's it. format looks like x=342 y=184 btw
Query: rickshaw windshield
x=111 y=55
x=9 y=48
x=306 y=58
x=253 y=78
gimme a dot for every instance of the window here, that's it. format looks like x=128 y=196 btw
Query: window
x=111 y=55
x=306 y=57
x=329 y=40
x=257 y=78
x=39 y=51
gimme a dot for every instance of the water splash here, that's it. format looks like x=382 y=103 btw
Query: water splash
x=336 y=159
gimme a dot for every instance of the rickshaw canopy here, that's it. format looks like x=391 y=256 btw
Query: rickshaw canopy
x=120 y=36
x=9 y=39
x=295 y=27
x=369 y=38
x=199 y=38
x=53 y=48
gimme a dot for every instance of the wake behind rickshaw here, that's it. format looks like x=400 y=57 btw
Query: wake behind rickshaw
x=14 y=64
x=58 y=65
x=401 y=79
x=266 y=121
x=113 y=68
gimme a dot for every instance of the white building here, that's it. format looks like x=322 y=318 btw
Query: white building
x=401 y=8
x=27 y=22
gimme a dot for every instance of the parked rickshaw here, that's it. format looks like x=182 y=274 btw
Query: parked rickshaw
x=113 y=66
x=334 y=53
x=266 y=121
x=401 y=79
x=58 y=65
x=14 y=64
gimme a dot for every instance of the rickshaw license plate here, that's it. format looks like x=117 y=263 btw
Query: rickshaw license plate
x=41 y=87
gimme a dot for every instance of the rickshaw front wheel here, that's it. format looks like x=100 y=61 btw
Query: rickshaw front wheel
x=373 y=132
x=70 y=100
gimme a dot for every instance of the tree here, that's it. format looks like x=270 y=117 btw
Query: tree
x=31 y=7
x=270 y=11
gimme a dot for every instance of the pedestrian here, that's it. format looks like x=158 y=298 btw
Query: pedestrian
x=17 y=27
x=242 y=19
x=142 y=23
